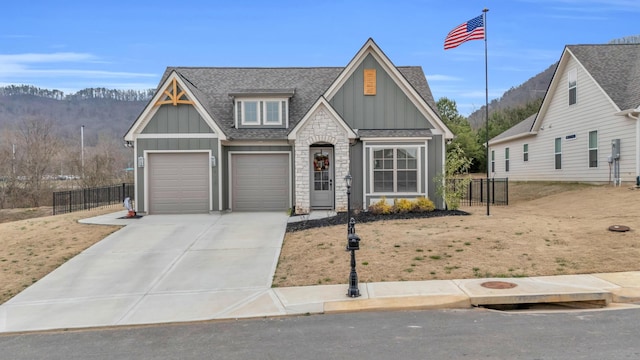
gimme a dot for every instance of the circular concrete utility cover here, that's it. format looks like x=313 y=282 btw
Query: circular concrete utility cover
x=619 y=228
x=498 y=285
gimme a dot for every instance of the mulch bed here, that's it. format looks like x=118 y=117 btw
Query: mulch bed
x=364 y=217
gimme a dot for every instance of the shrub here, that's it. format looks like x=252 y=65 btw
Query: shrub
x=381 y=207
x=403 y=206
x=422 y=204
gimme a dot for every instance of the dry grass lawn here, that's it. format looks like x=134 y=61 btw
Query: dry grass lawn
x=548 y=229
x=32 y=248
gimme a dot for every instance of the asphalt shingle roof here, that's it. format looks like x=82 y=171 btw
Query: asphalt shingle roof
x=520 y=128
x=616 y=67
x=213 y=87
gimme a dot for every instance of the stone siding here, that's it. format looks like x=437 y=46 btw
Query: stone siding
x=321 y=128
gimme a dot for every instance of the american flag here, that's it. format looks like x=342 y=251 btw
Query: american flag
x=471 y=30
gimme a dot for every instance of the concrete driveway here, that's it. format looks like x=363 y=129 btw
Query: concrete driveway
x=159 y=268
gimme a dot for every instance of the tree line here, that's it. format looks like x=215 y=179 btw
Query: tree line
x=89 y=93
x=470 y=143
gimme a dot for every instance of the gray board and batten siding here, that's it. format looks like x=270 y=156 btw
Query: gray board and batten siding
x=181 y=119
x=188 y=121
x=390 y=108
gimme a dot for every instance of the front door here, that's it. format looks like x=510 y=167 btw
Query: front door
x=322 y=193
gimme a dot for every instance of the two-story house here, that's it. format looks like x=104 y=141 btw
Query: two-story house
x=587 y=128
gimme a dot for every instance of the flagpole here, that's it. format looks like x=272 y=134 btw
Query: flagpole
x=486 y=99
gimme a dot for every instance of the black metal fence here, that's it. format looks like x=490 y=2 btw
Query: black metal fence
x=85 y=199
x=477 y=192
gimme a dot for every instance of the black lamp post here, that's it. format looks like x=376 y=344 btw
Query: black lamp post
x=353 y=243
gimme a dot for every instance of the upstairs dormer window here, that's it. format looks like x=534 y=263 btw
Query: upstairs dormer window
x=262 y=108
x=573 y=86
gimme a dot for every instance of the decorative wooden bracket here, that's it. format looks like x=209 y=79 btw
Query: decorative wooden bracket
x=173 y=97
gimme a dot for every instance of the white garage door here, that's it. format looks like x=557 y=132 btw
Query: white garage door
x=178 y=183
x=260 y=182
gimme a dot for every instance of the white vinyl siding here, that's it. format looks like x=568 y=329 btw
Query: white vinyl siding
x=594 y=111
x=573 y=86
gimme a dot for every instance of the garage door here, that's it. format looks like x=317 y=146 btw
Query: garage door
x=260 y=182
x=178 y=183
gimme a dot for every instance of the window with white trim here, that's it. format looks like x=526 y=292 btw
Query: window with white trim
x=573 y=86
x=506 y=159
x=395 y=170
x=254 y=112
x=525 y=152
x=493 y=161
x=558 y=153
x=593 y=149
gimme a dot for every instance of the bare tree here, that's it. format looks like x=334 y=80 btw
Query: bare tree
x=105 y=163
x=38 y=146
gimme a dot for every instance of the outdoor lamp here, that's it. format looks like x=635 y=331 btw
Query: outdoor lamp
x=348 y=180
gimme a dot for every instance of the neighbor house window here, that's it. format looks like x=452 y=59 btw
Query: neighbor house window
x=506 y=159
x=525 y=152
x=558 y=153
x=593 y=149
x=573 y=82
x=493 y=161
x=261 y=112
x=395 y=170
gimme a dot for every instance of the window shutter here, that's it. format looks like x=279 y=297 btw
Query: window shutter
x=284 y=112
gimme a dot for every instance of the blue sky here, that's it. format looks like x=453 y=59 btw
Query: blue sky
x=70 y=45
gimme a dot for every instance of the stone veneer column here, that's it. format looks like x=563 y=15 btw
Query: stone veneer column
x=321 y=128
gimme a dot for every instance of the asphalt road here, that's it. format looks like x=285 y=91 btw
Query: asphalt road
x=460 y=334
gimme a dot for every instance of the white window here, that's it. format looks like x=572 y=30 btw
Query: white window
x=253 y=112
x=250 y=113
x=493 y=161
x=593 y=149
x=525 y=152
x=395 y=170
x=573 y=86
x=506 y=159
x=558 y=153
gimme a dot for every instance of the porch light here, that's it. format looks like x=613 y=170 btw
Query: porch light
x=348 y=180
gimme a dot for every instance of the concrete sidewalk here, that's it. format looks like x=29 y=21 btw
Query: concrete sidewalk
x=115 y=290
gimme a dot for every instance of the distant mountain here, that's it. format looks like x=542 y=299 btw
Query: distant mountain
x=532 y=89
x=102 y=111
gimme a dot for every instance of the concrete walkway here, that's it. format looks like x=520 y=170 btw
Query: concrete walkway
x=162 y=269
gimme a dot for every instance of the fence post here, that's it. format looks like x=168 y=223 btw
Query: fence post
x=506 y=190
x=493 y=191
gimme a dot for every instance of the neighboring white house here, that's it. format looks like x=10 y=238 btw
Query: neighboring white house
x=592 y=106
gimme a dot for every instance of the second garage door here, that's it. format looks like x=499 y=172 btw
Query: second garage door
x=260 y=182
x=178 y=183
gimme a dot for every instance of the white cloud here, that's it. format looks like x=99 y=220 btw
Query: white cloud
x=441 y=77
x=30 y=58
x=30 y=67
